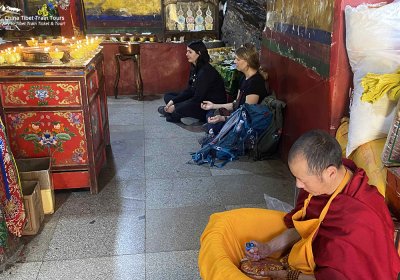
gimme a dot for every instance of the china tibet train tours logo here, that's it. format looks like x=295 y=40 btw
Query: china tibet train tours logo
x=4 y=9
x=7 y=16
x=12 y=18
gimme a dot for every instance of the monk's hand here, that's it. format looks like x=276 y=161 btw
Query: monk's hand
x=258 y=251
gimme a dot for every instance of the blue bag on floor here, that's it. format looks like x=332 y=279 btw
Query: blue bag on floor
x=238 y=134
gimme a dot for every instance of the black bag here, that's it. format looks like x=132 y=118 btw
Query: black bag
x=268 y=142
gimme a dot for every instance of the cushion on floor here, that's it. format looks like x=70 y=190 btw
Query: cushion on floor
x=366 y=156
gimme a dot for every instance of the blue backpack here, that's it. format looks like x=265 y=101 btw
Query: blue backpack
x=240 y=132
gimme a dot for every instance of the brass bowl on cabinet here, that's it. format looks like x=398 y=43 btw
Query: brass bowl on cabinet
x=36 y=55
x=40 y=55
x=129 y=49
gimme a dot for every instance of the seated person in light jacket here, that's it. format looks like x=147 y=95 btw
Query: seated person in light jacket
x=252 y=88
x=205 y=83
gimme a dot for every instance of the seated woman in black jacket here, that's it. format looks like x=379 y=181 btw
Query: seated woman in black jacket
x=205 y=83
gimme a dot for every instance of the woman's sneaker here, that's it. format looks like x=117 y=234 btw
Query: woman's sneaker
x=161 y=110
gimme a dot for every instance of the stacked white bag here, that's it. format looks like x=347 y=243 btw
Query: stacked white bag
x=373 y=46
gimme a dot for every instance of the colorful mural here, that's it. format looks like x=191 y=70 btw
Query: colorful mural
x=122 y=7
x=316 y=14
x=301 y=31
x=119 y=16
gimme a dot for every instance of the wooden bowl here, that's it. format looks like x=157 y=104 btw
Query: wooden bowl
x=129 y=49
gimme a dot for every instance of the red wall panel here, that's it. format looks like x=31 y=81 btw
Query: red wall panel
x=313 y=101
x=164 y=68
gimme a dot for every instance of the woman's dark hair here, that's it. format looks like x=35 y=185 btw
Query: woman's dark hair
x=320 y=149
x=200 y=48
x=249 y=53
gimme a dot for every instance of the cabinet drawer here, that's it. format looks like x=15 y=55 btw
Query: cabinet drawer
x=71 y=180
x=37 y=134
x=40 y=94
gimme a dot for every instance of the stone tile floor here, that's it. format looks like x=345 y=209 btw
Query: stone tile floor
x=146 y=221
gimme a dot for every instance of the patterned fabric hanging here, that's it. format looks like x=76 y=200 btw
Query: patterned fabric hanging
x=10 y=245
x=10 y=188
x=3 y=232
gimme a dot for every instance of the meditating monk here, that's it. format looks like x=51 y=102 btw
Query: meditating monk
x=340 y=227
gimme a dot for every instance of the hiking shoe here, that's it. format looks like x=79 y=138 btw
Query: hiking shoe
x=161 y=110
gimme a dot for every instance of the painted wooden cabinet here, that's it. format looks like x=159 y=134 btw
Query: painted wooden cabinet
x=58 y=111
